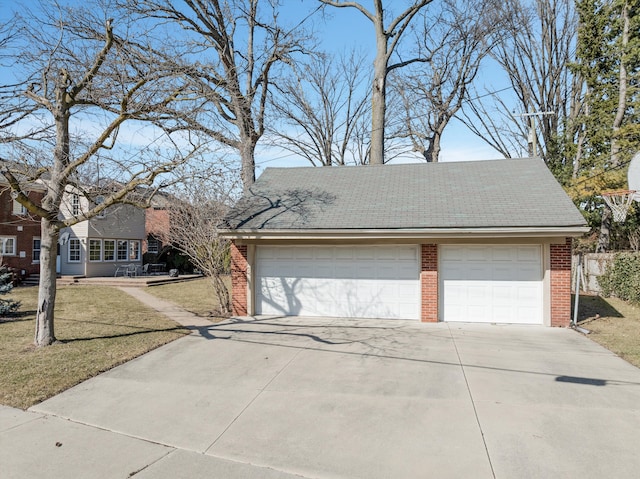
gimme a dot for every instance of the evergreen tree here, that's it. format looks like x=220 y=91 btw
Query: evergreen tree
x=608 y=61
x=7 y=306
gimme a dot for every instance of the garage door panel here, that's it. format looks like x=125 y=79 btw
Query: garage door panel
x=530 y=253
x=486 y=283
x=377 y=282
x=500 y=253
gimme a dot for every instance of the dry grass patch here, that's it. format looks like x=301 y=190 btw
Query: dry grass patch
x=97 y=328
x=614 y=324
x=196 y=296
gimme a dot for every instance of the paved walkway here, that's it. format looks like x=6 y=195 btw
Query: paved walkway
x=334 y=398
x=170 y=310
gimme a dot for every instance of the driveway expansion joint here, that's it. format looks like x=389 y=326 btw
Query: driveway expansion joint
x=473 y=404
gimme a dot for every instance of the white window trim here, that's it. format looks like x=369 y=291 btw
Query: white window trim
x=72 y=241
x=104 y=251
x=19 y=209
x=33 y=250
x=103 y=213
x=99 y=241
x=75 y=204
x=4 y=239
x=131 y=243
x=126 y=250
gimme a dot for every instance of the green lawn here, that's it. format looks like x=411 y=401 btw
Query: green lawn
x=196 y=296
x=97 y=327
x=614 y=324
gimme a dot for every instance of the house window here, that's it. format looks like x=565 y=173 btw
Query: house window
x=99 y=201
x=153 y=245
x=95 y=250
x=19 y=209
x=74 y=250
x=134 y=250
x=8 y=245
x=36 y=250
x=122 y=250
x=75 y=205
x=109 y=250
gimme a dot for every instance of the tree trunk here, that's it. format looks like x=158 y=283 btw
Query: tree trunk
x=604 y=239
x=247 y=156
x=433 y=152
x=45 y=334
x=622 y=90
x=379 y=102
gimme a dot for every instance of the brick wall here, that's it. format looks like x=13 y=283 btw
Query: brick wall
x=561 y=283
x=239 y=279
x=23 y=228
x=429 y=283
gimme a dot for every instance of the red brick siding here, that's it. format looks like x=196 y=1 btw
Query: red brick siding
x=156 y=221
x=561 y=283
x=239 y=267
x=429 y=283
x=11 y=224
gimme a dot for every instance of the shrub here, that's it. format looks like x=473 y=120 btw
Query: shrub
x=7 y=306
x=622 y=277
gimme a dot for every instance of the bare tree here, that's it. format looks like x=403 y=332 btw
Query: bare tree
x=195 y=216
x=388 y=36
x=237 y=46
x=535 y=51
x=320 y=108
x=85 y=84
x=456 y=41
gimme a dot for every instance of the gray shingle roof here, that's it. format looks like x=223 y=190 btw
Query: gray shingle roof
x=474 y=194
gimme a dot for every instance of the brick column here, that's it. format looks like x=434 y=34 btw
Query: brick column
x=239 y=267
x=429 y=283
x=561 y=283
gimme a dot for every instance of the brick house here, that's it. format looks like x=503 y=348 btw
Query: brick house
x=20 y=233
x=477 y=241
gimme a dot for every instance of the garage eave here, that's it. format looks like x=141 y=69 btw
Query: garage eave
x=404 y=234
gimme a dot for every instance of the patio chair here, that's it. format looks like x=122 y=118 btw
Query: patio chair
x=132 y=270
x=120 y=269
x=145 y=269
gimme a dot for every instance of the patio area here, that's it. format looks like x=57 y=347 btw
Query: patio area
x=131 y=281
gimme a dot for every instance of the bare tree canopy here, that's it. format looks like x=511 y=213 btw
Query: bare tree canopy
x=323 y=109
x=233 y=49
x=196 y=210
x=387 y=37
x=456 y=40
x=96 y=100
x=536 y=48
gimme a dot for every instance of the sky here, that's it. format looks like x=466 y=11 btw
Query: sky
x=343 y=28
x=339 y=30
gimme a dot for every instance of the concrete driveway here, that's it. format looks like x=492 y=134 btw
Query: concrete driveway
x=326 y=398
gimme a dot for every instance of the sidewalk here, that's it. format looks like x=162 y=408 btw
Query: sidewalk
x=170 y=310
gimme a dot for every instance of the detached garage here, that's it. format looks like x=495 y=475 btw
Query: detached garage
x=484 y=241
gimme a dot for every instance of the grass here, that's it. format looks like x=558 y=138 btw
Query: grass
x=190 y=295
x=614 y=324
x=97 y=328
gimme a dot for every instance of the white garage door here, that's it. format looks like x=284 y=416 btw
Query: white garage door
x=339 y=281
x=491 y=284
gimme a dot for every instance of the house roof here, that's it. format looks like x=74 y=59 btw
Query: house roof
x=508 y=194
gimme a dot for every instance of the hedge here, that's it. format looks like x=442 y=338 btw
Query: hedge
x=622 y=277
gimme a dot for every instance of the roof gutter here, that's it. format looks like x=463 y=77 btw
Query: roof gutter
x=426 y=233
